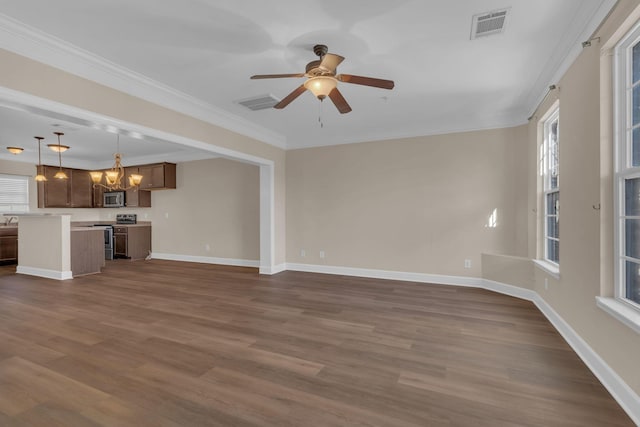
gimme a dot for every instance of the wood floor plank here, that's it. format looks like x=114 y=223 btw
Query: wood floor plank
x=162 y=343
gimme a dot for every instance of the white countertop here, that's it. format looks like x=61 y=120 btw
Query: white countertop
x=88 y=228
x=35 y=214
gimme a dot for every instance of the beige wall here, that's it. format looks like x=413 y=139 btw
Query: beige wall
x=216 y=202
x=412 y=205
x=517 y=271
x=585 y=180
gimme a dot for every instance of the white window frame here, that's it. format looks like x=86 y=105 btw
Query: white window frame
x=619 y=306
x=552 y=117
x=20 y=182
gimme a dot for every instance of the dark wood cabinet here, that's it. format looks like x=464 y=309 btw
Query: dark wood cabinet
x=74 y=192
x=9 y=245
x=81 y=192
x=53 y=193
x=77 y=191
x=158 y=176
x=120 y=244
x=132 y=241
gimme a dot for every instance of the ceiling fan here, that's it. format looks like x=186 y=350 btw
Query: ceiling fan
x=322 y=80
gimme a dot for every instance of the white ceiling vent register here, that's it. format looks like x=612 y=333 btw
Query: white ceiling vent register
x=488 y=23
x=261 y=102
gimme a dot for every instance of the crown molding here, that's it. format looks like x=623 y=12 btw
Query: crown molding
x=35 y=44
x=560 y=62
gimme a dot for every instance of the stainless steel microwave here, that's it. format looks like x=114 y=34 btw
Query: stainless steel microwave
x=114 y=199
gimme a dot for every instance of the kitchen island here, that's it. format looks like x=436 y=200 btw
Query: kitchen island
x=47 y=244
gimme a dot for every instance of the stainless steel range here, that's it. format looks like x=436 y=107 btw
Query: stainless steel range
x=108 y=240
x=126 y=219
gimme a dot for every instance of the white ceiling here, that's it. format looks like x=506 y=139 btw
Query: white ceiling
x=197 y=56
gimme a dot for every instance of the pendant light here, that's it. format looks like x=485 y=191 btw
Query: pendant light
x=39 y=169
x=15 y=150
x=60 y=174
x=113 y=177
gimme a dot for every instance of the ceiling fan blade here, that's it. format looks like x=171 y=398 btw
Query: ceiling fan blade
x=293 y=95
x=330 y=62
x=366 y=81
x=276 y=76
x=339 y=101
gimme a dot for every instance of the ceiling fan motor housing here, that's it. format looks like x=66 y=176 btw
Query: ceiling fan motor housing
x=320 y=50
x=313 y=68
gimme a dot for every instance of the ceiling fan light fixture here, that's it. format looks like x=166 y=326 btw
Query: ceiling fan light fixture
x=321 y=86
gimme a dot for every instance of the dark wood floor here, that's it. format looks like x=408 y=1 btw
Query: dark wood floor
x=159 y=343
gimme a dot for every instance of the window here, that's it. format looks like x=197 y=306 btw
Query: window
x=14 y=193
x=550 y=151
x=627 y=178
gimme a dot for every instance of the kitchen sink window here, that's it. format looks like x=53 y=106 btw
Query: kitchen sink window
x=14 y=193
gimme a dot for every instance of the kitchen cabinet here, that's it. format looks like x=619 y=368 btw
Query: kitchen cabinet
x=9 y=245
x=158 y=176
x=53 y=192
x=74 y=192
x=81 y=192
x=78 y=191
x=132 y=241
x=135 y=197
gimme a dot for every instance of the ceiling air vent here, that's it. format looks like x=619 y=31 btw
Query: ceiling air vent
x=261 y=102
x=486 y=24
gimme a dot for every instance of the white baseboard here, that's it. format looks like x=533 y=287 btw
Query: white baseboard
x=386 y=274
x=273 y=269
x=206 y=260
x=621 y=392
x=43 y=272
x=514 y=291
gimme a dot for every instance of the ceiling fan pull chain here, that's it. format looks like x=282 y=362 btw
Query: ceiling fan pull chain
x=320 y=115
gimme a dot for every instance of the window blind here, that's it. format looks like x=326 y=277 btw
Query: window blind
x=14 y=193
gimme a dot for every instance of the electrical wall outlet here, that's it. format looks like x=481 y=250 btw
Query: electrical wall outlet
x=467 y=263
x=303 y=253
x=207 y=247
x=321 y=254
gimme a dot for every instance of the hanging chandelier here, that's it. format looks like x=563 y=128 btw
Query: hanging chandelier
x=113 y=177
